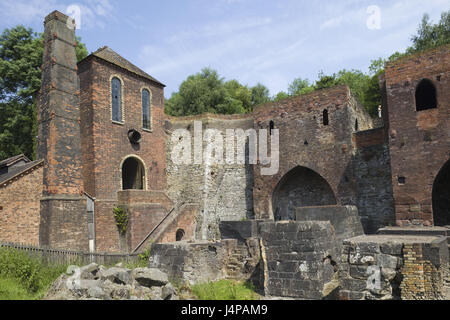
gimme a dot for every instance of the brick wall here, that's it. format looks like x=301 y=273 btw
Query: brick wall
x=419 y=143
x=20 y=202
x=105 y=143
x=306 y=141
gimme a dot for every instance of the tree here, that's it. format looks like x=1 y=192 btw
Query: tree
x=431 y=35
x=300 y=86
x=281 y=96
x=20 y=79
x=260 y=94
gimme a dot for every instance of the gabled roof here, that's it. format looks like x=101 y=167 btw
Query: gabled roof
x=109 y=55
x=11 y=161
x=17 y=171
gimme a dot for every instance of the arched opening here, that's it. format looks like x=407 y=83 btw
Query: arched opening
x=426 y=95
x=356 y=125
x=133 y=174
x=441 y=197
x=300 y=187
x=179 y=235
x=325 y=117
x=271 y=126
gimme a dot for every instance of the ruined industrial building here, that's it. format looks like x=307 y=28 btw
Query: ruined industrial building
x=358 y=209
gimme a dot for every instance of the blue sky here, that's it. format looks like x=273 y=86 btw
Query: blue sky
x=266 y=41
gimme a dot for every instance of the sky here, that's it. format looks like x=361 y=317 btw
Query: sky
x=253 y=41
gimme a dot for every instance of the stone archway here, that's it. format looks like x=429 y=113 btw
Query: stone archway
x=133 y=174
x=300 y=187
x=441 y=196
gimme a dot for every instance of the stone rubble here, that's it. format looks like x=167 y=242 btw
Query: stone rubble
x=96 y=282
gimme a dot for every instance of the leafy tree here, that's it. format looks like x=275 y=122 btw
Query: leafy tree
x=21 y=52
x=431 y=35
x=300 y=86
x=281 y=96
x=260 y=94
x=326 y=81
x=241 y=94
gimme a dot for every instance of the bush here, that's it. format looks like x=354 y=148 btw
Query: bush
x=225 y=290
x=22 y=277
x=17 y=265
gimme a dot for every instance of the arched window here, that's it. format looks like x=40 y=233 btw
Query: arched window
x=179 y=235
x=116 y=99
x=426 y=95
x=145 y=109
x=325 y=117
x=271 y=126
x=133 y=174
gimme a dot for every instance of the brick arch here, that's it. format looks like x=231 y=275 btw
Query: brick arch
x=142 y=162
x=300 y=187
x=441 y=196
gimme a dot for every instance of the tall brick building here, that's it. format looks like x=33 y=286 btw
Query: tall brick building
x=105 y=142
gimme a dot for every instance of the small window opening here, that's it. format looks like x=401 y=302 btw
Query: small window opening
x=179 y=235
x=271 y=126
x=356 y=125
x=426 y=95
x=325 y=117
x=401 y=180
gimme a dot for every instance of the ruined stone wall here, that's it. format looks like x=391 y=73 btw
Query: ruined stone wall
x=306 y=141
x=299 y=258
x=394 y=267
x=375 y=200
x=208 y=261
x=20 y=207
x=419 y=140
x=222 y=191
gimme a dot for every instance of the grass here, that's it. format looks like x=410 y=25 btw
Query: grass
x=225 y=290
x=25 y=278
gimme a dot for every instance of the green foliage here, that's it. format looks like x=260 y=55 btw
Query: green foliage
x=206 y=92
x=21 y=52
x=260 y=94
x=431 y=35
x=22 y=277
x=121 y=218
x=225 y=290
x=281 y=96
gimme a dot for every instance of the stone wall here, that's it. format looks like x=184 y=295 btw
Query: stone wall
x=374 y=200
x=208 y=261
x=344 y=219
x=299 y=259
x=389 y=267
x=20 y=207
x=222 y=191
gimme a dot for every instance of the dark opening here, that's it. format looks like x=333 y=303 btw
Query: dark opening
x=179 y=235
x=401 y=180
x=133 y=174
x=441 y=197
x=134 y=136
x=300 y=187
x=325 y=117
x=271 y=126
x=356 y=125
x=426 y=95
